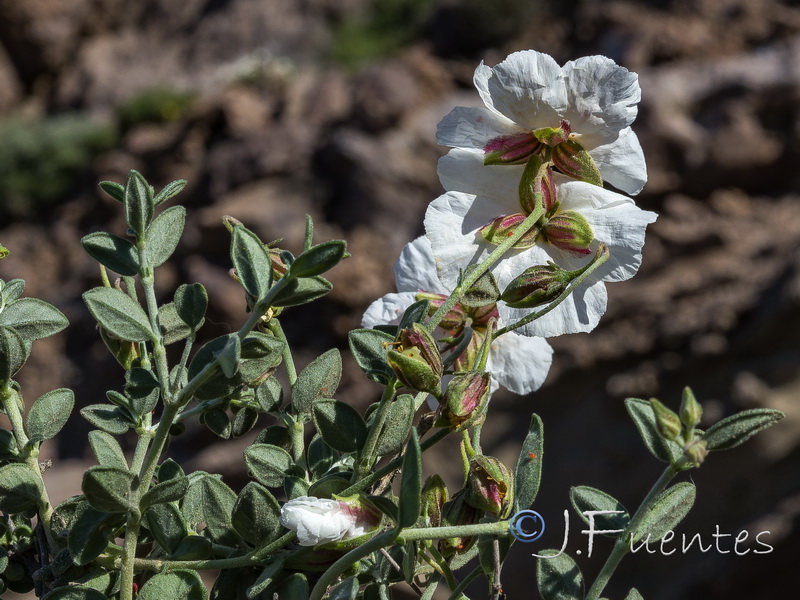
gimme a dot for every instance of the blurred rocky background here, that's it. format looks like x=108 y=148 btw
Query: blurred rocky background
x=273 y=109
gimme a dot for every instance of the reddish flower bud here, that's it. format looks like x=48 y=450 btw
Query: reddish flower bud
x=454 y=320
x=536 y=185
x=434 y=495
x=571 y=231
x=573 y=160
x=464 y=400
x=512 y=149
x=417 y=362
x=537 y=285
x=458 y=512
x=490 y=486
x=553 y=136
x=500 y=229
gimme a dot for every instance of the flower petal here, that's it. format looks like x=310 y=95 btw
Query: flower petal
x=469 y=127
x=520 y=363
x=517 y=87
x=462 y=170
x=621 y=162
x=415 y=269
x=387 y=310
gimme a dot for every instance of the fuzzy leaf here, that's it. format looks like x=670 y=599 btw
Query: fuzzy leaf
x=339 y=424
x=172 y=189
x=111 y=419
x=20 y=488
x=585 y=498
x=318 y=380
x=558 y=577
x=33 y=319
x=107 y=450
x=75 y=592
x=267 y=463
x=251 y=261
x=89 y=534
x=737 y=429
x=667 y=510
x=528 y=472
x=317 y=260
x=139 y=205
x=180 y=584
x=49 y=414
x=399 y=420
x=113 y=252
x=410 y=484
x=645 y=420
x=302 y=291
x=191 y=302
x=209 y=500
x=108 y=488
x=256 y=515
x=163 y=235
x=167 y=525
x=13 y=352
x=170 y=490
x=369 y=350
x=118 y=313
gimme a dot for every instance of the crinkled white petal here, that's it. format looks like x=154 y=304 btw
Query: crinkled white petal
x=316 y=520
x=415 y=269
x=469 y=127
x=601 y=96
x=621 y=162
x=462 y=170
x=387 y=310
x=519 y=363
x=525 y=87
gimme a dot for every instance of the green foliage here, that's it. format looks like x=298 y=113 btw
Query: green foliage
x=40 y=158
x=155 y=105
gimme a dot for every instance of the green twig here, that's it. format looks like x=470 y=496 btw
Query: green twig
x=367 y=458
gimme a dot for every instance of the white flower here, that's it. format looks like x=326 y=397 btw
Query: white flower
x=453 y=221
x=516 y=362
x=528 y=91
x=320 y=520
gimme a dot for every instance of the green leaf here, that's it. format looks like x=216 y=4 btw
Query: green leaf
x=108 y=489
x=558 y=577
x=386 y=506
x=216 y=419
x=317 y=260
x=294 y=586
x=486 y=550
x=118 y=313
x=369 y=349
x=192 y=547
x=399 y=420
x=163 y=235
x=320 y=457
x=139 y=205
x=191 y=302
x=8 y=446
x=256 y=515
x=143 y=389
x=645 y=420
x=173 y=329
x=167 y=525
x=13 y=352
x=346 y=590
x=339 y=424
x=295 y=486
x=585 y=498
x=107 y=450
x=75 y=592
x=33 y=319
x=113 y=252
x=267 y=463
x=668 y=509
x=113 y=189
x=302 y=291
x=318 y=380
x=528 y=472
x=111 y=419
x=209 y=500
x=49 y=414
x=170 y=490
x=244 y=420
x=180 y=584
x=172 y=189
x=737 y=429
x=251 y=261
x=169 y=469
x=88 y=536
x=20 y=488
x=414 y=314
x=269 y=395
x=410 y=484
x=634 y=595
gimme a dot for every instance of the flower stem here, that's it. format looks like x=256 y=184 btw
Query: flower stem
x=621 y=546
x=493 y=257
x=288 y=361
x=367 y=457
x=600 y=257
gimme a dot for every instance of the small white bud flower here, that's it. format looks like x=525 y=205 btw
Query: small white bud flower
x=321 y=520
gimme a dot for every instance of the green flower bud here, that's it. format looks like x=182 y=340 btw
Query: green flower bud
x=482 y=293
x=695 y=452
x=537 y=185
x=537 y=285
x=434 y=495
x=553 y=136
x=571 y=231
x=500 y=229
x=417 y=362
x=490 y=486
x=691 y=412
x=454 y=320
x=668 y=423
x=464 y=400
x=573 y=160
x=458 y=512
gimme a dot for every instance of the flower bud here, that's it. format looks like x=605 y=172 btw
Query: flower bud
x=537 y=185
x=500 y=229
x=322 y=520
x=417 y=363
x=573 y=160
x=482 y=293
x=490 y=486
x=691 y=412
x=512 y=149
x=434 y=495
x=464 y=399
x=571 y=231
x=454 y=320
x=536 y=285
x=668 y=423
x=458 y=512
x=553 y=136
x=695 y=452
